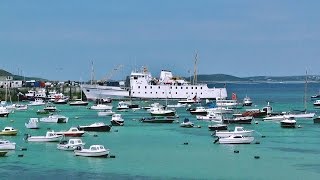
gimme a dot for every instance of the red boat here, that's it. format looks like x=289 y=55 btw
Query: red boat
x=72 y=132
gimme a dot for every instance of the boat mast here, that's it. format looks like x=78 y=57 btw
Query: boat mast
x=305 y=92
x=92 y=73
x=195 y=69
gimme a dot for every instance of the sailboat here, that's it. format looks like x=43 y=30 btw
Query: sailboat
x=79 y=102
x=303 y=113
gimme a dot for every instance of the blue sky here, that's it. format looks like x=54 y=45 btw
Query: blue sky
x=59 y=39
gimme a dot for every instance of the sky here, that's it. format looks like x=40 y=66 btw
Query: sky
x=59 y=40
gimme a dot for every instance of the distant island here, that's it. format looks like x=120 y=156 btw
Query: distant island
x=210 y=78
x=17 y=77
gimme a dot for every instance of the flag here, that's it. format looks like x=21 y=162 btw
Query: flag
x=234 y=96
x=195 y=98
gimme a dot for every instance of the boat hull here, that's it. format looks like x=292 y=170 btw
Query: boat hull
x=218 y=127
x=105 y=128
x=117 y=123
x=91 y=154
x=44 y=139
x=245 y=140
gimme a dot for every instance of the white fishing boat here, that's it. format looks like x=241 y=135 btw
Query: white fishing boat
x=71 y=144
x=50 y=108
x=122 y=106
x=237 y=131
x=50 y=136
x=317 y=103
x=247 y=101
x=216 y=117
x=117 y=120
x=143 y=85
x=178 y=105
x=105 y=113
x=32 y=124
x=7 y=145
x=37 y=102
x=93 y=151
x=187 y=123
x=162 y=112
x=101 y=107
x=21 y=107
x=4 y=112
x=55 y=119
x=199 y=111
x=235 y=139
x=231 y=103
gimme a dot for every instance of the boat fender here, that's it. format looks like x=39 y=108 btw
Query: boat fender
x=20 y=155
x=236 y=151
x=257 y=157
x=112 y=156
x=95 y=135
x=215 y=141
x=23 y=149
x=186 y=143
x=257 y=142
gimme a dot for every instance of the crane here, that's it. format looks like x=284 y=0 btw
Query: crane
x=112 y=72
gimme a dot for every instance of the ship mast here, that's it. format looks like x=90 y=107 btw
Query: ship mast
x=305 y=92
x=195 y=77
x=92 y=73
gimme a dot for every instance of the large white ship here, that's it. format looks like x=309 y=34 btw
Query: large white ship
x=144 y=86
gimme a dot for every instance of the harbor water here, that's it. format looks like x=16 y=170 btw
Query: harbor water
x=167 y=151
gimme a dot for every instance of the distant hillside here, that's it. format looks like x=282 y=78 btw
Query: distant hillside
x=284 y=78
x=217 y=78
x=229 y=78
x=16 y=77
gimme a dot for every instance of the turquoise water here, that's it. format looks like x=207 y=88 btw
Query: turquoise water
x=157 y=151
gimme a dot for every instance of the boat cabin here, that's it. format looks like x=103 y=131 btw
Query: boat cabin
x=97 y=148
x=8 y=129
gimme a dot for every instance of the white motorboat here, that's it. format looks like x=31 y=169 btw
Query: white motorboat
x=158 y=111
x=199 y=111
x=178 y=105
x=117 y=120
x=101 y=107
x=317 y=103
x=288 y=123
x=4 y=112
x=7 y=145
x=231 y=103
x=237 y=131
x=32 y=124
x=93 y=151
x=73 y=132
x=290 y=115
x=21 y=107
x=187 y=123
x=79 y=103
x=216 y=117
x=71 y=144
x=50 y=136
x=105 y=113
x=8 y=131
x=190 y=100
x=221 y=110
x=122 y=106
x=235 y=139
x=50 y=108
x=247 y=101
x=37 y=102
x=55 y=119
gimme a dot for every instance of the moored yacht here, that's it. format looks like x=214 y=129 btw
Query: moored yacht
x=288 y=123
x=237 y=131
x=71 y=144
x=247 y=101
x=117 y=120
x=32 y=124
x=93 y=151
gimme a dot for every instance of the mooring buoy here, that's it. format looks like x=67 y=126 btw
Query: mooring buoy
x=257 y=157
x=236 y=151
x=112 y=156
x=186 y=143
